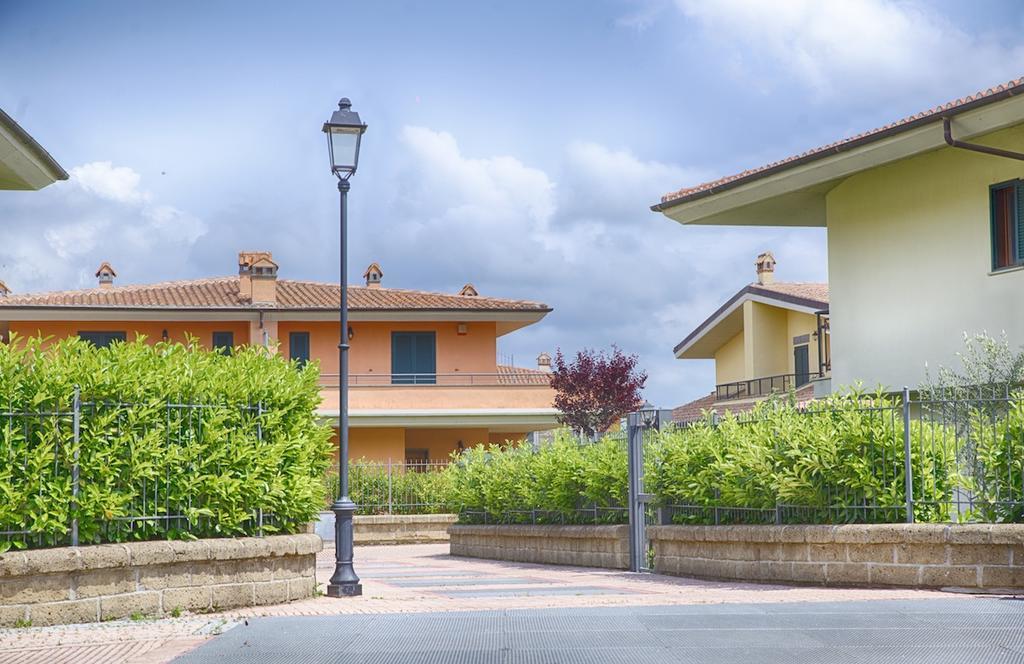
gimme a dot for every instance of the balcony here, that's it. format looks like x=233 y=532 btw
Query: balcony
x=509 y=389
x=760 y=387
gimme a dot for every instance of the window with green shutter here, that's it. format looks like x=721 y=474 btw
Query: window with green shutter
x=413 y=358
x=1006 y=201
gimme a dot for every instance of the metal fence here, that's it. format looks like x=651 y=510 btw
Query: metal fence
x=951 y=456
x=405 y=487
x=87 y=473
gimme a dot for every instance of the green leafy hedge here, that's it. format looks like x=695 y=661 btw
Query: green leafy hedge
x=840 y=461
x=413 y=490
x=201 y=444
x=563 y=482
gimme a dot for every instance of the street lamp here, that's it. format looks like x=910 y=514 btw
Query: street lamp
x=344 y=134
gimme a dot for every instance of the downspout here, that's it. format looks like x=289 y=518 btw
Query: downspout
x=266 y=339
x=947 y=129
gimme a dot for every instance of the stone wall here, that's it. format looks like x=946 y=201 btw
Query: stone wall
x=588 y=546
x=391 y=528
x=93 y=583
x=989 y=557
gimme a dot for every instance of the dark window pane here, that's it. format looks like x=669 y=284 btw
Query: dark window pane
x=1004 y=204
x=223 y=341
x=102 y=339
x=298 y=347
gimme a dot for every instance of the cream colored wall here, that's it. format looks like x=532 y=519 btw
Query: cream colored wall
x=769 y=347
x=909 y=257
x=798 y=324
x=729 y=361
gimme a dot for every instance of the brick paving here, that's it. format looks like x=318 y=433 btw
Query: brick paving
x=416 y=579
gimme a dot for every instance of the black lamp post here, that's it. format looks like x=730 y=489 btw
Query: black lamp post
x=344 y=133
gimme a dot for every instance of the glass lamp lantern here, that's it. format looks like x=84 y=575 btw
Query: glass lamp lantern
x=344 y=133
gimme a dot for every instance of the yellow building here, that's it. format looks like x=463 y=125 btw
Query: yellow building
x=24 y=164
x=769 y=338
x=925 y=220
x=424 y=374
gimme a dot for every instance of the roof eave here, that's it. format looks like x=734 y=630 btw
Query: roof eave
x=807 y=172
x=42 y=159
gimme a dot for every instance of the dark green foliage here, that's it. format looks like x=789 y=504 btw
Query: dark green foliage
x=167 y=430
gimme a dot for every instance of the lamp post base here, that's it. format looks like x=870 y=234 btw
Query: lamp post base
x=346 y=590
x=344 y=582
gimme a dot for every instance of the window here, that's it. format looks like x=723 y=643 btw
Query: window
x=801 y=365
x=1007 y=209
x=413 y=358
x=298 y=347
x=223 y=342
x=102 y=339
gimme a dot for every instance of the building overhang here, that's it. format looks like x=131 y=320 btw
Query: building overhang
x=499 y=419
x=792 y=192
x=705 y=340
x=24 y=164
x=506 y=321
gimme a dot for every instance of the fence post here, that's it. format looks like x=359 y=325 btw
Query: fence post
x=75 y=470
x=908 y=473
x=390 y=497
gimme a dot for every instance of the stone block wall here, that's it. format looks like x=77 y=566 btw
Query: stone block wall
x=983 y=556
x=94 y=583
x=391 y=528
x=586 y=546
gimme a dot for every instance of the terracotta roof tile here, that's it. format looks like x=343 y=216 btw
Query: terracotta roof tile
x=817 y=292
x=223 y=293
x=930 y=114
x=509 y=375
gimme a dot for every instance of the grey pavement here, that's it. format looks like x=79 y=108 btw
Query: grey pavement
x=968 y=630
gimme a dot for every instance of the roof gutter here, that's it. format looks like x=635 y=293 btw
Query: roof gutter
x=947 y=130
x=57 y=172
x=837 y=149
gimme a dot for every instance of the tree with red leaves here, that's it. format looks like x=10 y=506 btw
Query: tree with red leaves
x=597 y=389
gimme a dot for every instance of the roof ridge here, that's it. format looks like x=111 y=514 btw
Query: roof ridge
x=120 y=289
x=416 y=291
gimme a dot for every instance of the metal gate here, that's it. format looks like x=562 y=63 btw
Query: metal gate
x=641 y=427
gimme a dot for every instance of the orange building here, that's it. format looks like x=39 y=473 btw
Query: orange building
x=424 y=374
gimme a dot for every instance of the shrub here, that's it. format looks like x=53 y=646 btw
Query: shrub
x=166 y=430
x=563 y=482
x=413 y=490
x=841 y=460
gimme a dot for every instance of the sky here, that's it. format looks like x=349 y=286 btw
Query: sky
x=513 y=145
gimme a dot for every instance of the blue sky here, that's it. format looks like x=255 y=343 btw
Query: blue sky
x=515 y=145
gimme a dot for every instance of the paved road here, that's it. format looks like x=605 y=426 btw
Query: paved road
x=972 y=631
x=420 y=579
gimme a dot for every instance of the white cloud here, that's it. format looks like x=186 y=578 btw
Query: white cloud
x=843 y=48
x=115 y=183
x=55 y=237
x=579 y=237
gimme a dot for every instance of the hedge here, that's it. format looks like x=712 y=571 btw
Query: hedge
x=199 y=443
x=563 y=482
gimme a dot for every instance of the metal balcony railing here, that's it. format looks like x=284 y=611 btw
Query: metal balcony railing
x=760 y=387
x=458 y=379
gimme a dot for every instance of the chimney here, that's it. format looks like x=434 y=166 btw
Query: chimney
x=765 y=265
x=373 y=275
x=105 y=274
x=4 y=290
x=544 y=362
x=257 y=277
x=469 y=291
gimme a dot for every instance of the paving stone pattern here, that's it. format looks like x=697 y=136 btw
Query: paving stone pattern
x=955 y=630
x=425 y=580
